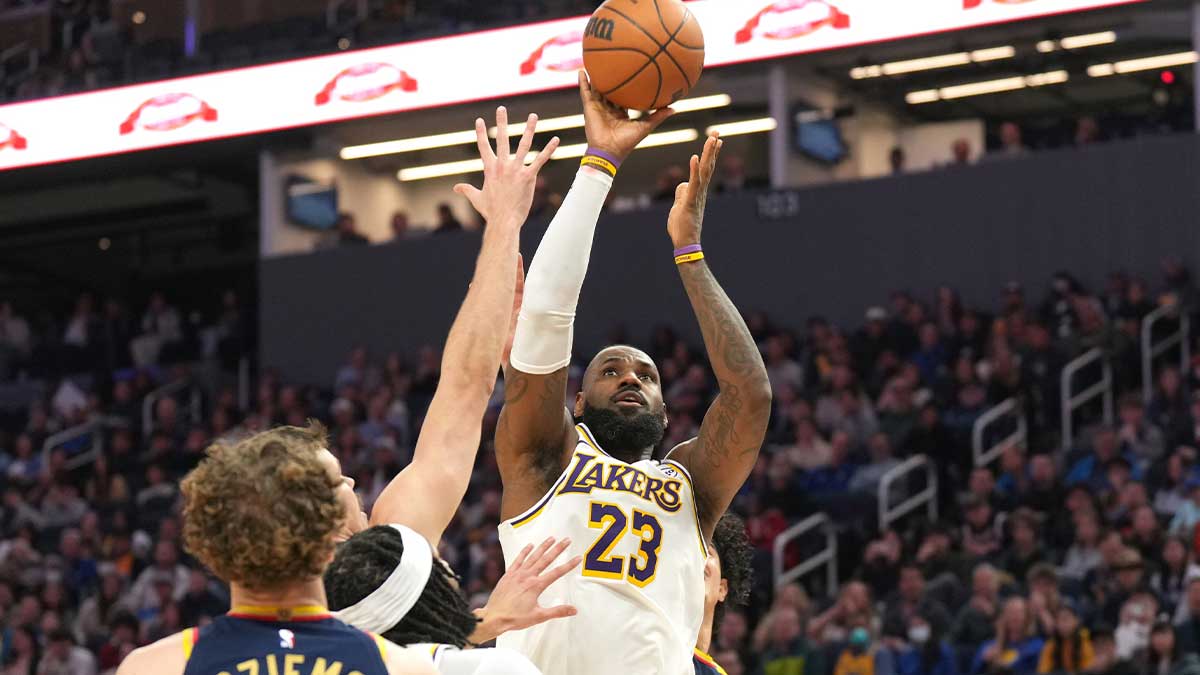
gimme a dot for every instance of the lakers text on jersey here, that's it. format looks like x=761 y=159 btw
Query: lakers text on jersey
x=640 y=590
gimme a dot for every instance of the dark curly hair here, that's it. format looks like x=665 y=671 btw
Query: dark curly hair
x=736 y=556
x=364 y=561
x=263 y=512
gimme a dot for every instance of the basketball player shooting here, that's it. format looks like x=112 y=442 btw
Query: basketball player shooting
x=641 y=525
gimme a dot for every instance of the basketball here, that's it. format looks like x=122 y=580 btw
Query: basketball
x=643 y=54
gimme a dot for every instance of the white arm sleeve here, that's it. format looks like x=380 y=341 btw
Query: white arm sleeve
x=545 y=326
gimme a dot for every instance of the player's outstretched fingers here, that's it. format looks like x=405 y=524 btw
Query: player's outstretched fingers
x=559 y=572
x=527 y=137
x=559 y=612
x=534 y=560
x=538 y=564
x=481 y=138
x=521 y=557
x=502 y=149
x=545 y=155
x=657 y=117
x=473 y=195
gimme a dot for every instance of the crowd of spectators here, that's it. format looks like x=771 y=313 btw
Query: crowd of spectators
x=1075 y=560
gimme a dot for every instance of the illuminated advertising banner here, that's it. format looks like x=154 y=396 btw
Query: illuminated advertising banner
x=446 y=71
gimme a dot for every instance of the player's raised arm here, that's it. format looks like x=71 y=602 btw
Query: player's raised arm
x=721 y=457
x=535 y=434
x=426 y=494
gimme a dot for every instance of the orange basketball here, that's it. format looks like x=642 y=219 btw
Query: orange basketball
x=643 y=54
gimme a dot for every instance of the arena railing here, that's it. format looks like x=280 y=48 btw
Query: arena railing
x=826 y=557
x=1072 y=402
x=333 y=9
x=170 y=389
x=1152 y=350
x=81 y=431
x=243 y=383
x=927 y=497
x=1010 y=408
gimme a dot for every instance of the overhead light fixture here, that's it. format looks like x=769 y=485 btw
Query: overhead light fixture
x=1078 y=41
x=407 y=145
x=514 y=130
x=756 y=126
x=986 y=87
x=1090 y=40
x=933 y=62
x=1147 y=63
x=563 y=152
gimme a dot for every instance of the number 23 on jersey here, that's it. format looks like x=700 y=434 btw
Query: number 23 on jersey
x=615 y=523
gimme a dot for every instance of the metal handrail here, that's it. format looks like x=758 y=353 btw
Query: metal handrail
x=1071 y=403
x=1151 y=350
x=927 y=497
x=243 y=385
x=334 y=6
x=167 y=390
x=79 y=431
x=827 y=557
x=984 y=457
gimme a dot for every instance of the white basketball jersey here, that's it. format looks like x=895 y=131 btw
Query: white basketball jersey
x=640 y=588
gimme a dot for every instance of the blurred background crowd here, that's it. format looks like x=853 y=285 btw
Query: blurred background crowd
x=1047 y=560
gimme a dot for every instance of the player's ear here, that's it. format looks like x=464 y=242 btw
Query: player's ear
x=578 y=405
x=723 y=590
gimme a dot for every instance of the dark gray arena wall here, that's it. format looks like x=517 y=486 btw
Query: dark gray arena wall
x=831 y=250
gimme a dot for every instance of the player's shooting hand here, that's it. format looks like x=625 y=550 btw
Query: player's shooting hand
x=687 y=215
x=514 y=602
x=508 y=182
x=609 y=127
x=518 y=297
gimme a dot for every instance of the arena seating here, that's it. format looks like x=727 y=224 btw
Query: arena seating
x=921 y=453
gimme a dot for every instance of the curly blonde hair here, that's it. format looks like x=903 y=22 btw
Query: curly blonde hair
x=263 y=512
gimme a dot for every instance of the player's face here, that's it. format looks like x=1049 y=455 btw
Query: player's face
x=356 y=518
x=715 y=587
x=623 y=380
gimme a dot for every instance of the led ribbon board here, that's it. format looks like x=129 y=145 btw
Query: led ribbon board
x=446 y=71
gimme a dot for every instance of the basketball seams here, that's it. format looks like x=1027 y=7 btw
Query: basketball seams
x=662 y=49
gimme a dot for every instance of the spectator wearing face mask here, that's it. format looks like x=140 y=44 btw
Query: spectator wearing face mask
x=925 y=651
x=1069 y=650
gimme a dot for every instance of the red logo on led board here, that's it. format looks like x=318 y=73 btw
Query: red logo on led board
x=9 y=138
x=366 y=82
x=792 y=19
x=556 y=54
x=168 y=112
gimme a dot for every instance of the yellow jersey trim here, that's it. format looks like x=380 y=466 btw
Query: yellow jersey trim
x=268 y=613
x=708 y=661
x=382 y=645
x=189 y=642
x=536 y=510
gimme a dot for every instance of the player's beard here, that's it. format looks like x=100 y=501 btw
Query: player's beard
x=626 y=437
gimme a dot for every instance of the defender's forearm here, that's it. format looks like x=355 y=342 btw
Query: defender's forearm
x=471 y=357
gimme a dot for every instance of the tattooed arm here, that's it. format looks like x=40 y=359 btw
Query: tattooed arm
x=721 y=457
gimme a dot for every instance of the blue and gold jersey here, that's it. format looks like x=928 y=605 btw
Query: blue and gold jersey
x=705 y=664
x=292 y=641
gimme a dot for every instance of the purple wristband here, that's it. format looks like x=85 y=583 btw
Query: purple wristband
x=694 y=248
x=604 y=155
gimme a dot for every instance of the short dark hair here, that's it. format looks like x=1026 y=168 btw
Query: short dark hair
x=733 y=550
x=365 y=561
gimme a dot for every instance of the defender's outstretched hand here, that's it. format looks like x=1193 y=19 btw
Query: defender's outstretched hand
x=609 y=127
x=508 y=182
x=514 y=602
x=687 y=215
